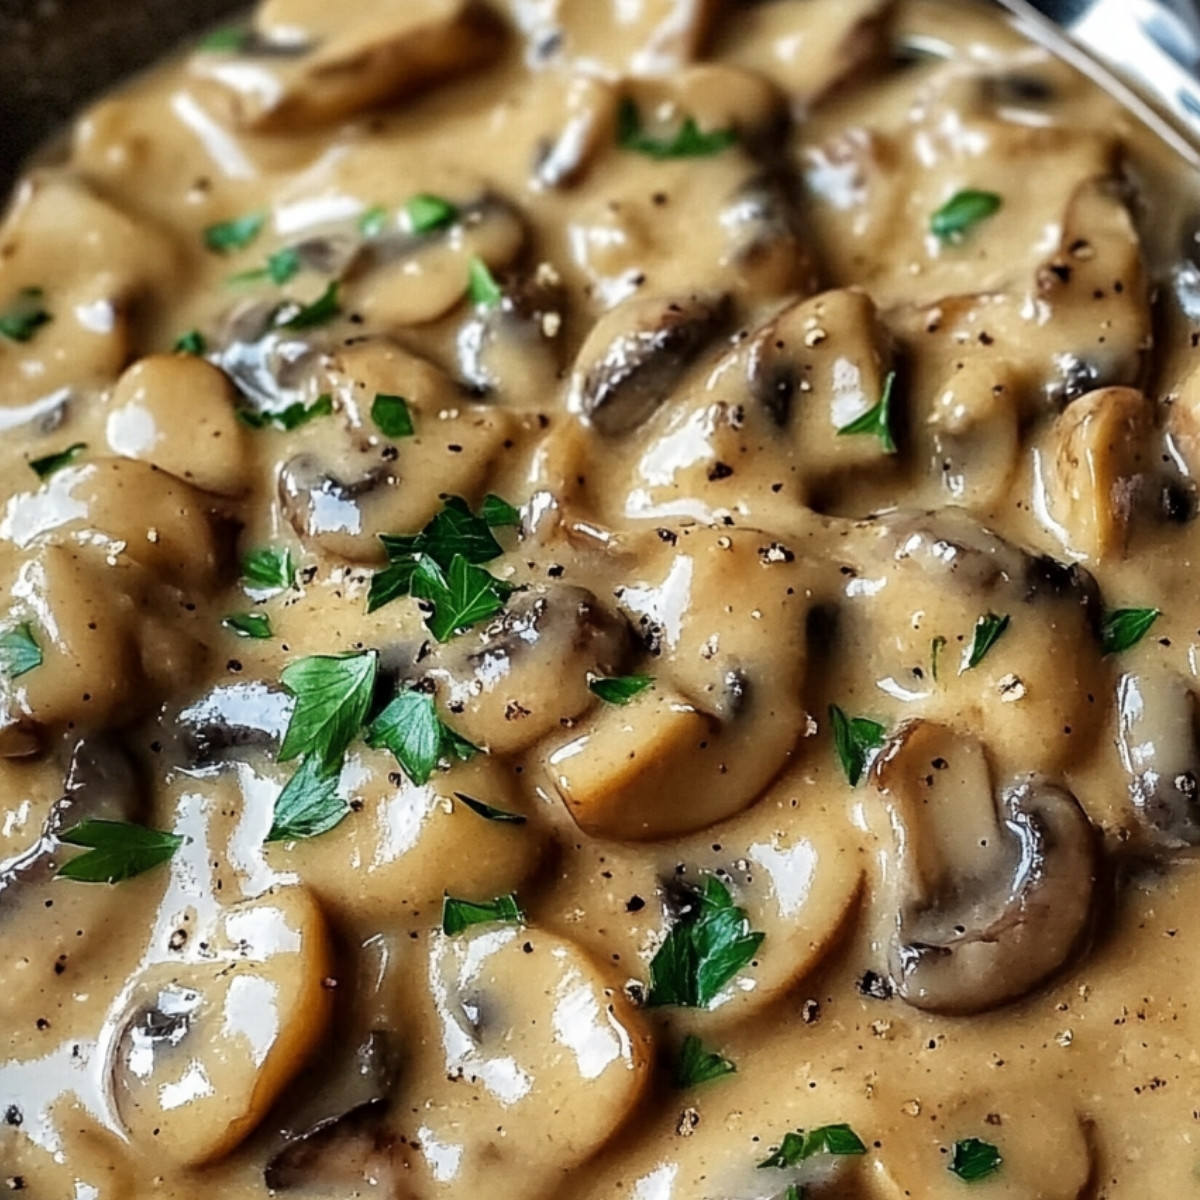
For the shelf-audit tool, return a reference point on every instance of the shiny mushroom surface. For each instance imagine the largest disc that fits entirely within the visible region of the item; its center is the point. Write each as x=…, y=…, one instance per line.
x=598, y=602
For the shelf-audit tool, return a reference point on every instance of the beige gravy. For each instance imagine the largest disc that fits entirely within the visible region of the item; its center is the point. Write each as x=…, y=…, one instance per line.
x=758, y=761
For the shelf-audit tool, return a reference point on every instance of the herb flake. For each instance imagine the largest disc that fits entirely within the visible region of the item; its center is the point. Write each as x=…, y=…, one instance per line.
x=989, y=629
x=620, y=689
x=392, y=416
x=325, y=308
x=499, y=513
x=878, y=420
x=333, y=695
x=255, y=625
x=373, y=222
x=269, y=569
x=428, y=214
x=1123, y=628
x=459, y=597
x=798, y=1146
x=25, y=316
x=696, y=1065
x=488, y=813
x=19, y=652
x=688, y=142
x=193, y=342
x=962, y=212
x=709, y=944
x=974, y=1159
x=226, y=237
x=482, y=288
x=287, y=419
x=418, y=738
x=459, y=915
x=51, y=464
x=116, y=851
x=854, y=738
x=309, y=804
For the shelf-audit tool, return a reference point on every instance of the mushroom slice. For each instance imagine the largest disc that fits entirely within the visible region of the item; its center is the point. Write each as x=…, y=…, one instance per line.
x=1099, y=469
x=233, y=718
x=761, y=224
x=589, y=128
x=204, y=1048
x=635, y=356
x=994, y=890
x=1156, y=739
x=537, y=1061
x=313, y=64
x=517, y=679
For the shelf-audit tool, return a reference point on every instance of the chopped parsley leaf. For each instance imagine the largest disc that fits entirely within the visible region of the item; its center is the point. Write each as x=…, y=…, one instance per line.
x=287, y=419
x=989, y=629
x=192, y=342
x=392, y=416
x=116, y=851
x=709, y=944
x=482, y=287
x=974, y=1160
x=412, y=730
x=428, y=214
x=799, y=1146
x=225, y=41
x=269, y=569
x=256, y=625
x=321, y=311
x=854, y=738
x=25, y=317
x=43, y=468
x=333, y=696
x=696, y=1065
x=19, y=652
x=937, y=646
x=230, y=236
x=1123, y=628
x=620, y=689
x=878, y=420
x=373, y=222
x=962, y=212
x=459, y=597
x=688, y=142
x=282, y=267
x=459, y=915
x=499, y=513
x=488, y=813
x=309, y=804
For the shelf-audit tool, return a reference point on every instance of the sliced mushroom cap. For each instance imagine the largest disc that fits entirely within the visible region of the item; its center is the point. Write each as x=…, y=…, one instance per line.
x=313, y=64
x=204, y=1048
x=588, y=130
x=636, y=355
x=1099, y=470
x=994, y=890
x=762, y=228
x=537, y=1061
x=234, y=717
x=510, y=684
x=1157, y=742
x=272, y=368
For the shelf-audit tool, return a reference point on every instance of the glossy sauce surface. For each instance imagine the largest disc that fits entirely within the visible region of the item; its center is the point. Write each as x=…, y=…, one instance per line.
x=857, y=516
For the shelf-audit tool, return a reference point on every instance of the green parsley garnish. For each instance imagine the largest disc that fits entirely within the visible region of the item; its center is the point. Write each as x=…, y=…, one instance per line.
x=428, y=214
x=974, y=1160
x=499, y=513
x=696, y=1065
x=325, y=308
x=878, y=420
x=269, y=569
x=373, y=222
x=192, y=342
x=488, y=813
x=853, y=739
x=709, y=944
x=458, y=915
x=227, y=41
x=412, y=730
x=799, y=1146
x=255, y=625
x=936, y=647
x=282, y=267
x=482, y=287
x=620, y=689
x=19, y=652
x=688, y=142
x=333, y=696
x=43, y=468
x=455, y=531
x=1123, y=628
x=116, y=851
x=287, y=419
x=963, y=212
x=309, y=804
x=459, y=597
x=229, y=236
x=392, y=417
x=25, y=317
x=989, y=629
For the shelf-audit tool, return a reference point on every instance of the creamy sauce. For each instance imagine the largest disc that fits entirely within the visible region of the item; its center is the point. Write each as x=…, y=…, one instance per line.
x=977, y=904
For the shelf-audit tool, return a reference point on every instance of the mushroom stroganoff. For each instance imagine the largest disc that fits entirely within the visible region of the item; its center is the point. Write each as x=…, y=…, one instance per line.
x=597, y=601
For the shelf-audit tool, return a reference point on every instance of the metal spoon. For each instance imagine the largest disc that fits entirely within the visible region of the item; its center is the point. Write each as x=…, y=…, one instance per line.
x=1145, y=52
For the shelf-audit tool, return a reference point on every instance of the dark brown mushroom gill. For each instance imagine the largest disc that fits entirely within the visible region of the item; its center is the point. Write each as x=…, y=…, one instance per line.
x=993, y=889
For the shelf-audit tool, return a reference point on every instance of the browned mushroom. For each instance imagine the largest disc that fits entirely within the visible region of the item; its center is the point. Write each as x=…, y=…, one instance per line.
x=993, y=889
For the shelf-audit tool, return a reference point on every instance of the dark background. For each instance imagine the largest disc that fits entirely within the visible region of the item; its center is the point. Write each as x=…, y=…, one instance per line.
x=56, y=54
